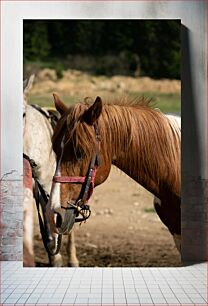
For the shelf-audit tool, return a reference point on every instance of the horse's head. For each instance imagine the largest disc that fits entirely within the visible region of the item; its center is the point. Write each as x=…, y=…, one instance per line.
x=78, y=145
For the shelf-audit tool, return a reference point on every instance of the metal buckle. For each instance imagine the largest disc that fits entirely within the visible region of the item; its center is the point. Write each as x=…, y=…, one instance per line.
x=81, y=209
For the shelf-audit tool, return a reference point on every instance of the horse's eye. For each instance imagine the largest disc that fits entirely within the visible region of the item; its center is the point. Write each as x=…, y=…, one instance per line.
x=79, y=154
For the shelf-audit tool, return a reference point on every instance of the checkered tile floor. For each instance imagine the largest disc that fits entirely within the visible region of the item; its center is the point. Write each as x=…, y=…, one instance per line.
x=103, y=286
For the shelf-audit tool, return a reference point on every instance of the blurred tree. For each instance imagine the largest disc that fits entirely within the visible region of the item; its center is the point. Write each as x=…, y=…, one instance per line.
x=36, y=44
x=154, y=44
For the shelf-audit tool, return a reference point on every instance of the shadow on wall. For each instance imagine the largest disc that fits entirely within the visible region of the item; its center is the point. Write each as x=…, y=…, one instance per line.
x=193, y=206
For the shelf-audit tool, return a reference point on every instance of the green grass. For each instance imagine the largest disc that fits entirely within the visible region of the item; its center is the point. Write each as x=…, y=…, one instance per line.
x=47, y=100
x=167, y=103
x=149, y=210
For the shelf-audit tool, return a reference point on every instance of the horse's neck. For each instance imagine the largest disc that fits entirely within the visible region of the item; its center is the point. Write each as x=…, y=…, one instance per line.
x=141, y=153
x=38, y=146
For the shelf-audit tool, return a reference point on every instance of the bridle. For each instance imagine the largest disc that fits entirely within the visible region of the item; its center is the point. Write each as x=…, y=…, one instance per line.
x=80, y=206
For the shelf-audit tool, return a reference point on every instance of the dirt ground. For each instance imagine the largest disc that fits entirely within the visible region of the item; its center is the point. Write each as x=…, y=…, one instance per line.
x=123, y=229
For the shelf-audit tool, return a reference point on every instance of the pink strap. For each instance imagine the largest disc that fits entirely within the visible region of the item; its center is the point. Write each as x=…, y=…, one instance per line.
x=77, y=179
x=69, y=179
x=27, y=174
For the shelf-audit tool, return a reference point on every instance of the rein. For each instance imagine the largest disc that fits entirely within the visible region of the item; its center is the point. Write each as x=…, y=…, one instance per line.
x=41, y=198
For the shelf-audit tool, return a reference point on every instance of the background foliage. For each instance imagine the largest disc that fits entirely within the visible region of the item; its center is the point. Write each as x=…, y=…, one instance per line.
x=128, y=47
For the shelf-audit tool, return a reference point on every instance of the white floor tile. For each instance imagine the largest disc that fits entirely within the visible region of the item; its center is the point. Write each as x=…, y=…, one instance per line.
x=68, y=300
x=81, y=301
x=132, y=300
x=107, y=300
x=94, y=301
x=187, y=285
x=32, y=300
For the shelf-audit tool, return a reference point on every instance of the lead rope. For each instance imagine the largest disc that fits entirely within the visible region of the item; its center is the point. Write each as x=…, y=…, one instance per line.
x=46, y=237
x=42, y=198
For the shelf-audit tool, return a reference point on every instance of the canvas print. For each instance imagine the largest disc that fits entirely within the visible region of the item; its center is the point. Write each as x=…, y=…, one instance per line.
x=102, y=143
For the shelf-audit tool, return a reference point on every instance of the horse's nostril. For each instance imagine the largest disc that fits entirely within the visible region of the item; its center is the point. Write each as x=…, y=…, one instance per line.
x=58, y=220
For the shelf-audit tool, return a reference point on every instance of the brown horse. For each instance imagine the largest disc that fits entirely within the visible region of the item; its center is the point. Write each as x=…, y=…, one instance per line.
x=136, y=138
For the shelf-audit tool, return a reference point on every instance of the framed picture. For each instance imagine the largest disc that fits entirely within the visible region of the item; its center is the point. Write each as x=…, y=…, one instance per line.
x=90, y=50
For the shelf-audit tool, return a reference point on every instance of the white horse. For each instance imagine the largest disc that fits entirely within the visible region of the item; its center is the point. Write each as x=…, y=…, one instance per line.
x=38, y=146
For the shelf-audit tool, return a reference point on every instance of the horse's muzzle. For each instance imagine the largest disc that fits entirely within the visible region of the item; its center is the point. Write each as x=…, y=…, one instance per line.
x=64, y=220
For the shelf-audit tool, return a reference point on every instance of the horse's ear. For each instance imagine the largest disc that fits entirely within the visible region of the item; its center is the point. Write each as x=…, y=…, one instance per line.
x=27, y=84
x=60, y=106
x=93, y=112
x=24, y=84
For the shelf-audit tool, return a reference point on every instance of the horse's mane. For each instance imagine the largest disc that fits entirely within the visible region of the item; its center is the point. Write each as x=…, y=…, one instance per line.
x=71, y=119
x=149, y=141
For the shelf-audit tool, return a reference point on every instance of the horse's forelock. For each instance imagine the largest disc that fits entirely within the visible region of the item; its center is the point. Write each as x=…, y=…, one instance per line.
x=79, y=131
x=75, y=130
